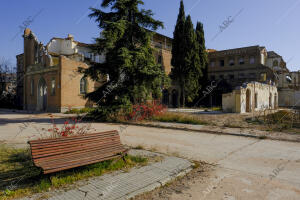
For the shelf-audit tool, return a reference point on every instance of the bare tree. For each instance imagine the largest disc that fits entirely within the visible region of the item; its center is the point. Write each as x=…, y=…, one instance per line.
x=7, y=83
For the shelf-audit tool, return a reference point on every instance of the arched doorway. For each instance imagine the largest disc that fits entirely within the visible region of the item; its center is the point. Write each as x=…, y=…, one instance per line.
x=248, y=100
x=174, y=98
x=42, y=95
x=165, y=97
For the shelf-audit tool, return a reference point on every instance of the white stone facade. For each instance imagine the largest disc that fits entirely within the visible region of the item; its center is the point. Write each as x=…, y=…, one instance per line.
x=251, y=97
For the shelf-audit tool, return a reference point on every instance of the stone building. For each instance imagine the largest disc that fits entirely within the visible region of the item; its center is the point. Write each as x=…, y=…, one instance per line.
x=48, y=78
x=234, y=67
x=251, y=97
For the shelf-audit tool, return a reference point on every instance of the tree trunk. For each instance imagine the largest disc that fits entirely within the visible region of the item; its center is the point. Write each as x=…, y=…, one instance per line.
x=182, y=94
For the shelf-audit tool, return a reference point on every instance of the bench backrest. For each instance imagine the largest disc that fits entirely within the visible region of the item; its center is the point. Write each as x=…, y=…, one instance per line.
x=68, y=152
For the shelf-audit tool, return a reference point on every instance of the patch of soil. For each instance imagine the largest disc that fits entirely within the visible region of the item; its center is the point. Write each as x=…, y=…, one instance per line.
x=200, y=172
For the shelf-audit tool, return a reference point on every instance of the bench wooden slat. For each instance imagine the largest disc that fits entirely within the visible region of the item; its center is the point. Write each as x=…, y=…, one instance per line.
x=76, y=154
x=69, y=161
x=79, y=165
x=70, y=143
x=72, y=137
x=50, y=151
x=54, y=155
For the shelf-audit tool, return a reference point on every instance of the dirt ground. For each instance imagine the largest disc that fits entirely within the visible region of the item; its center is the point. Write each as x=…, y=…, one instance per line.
x=199, y=174
x=235, y=120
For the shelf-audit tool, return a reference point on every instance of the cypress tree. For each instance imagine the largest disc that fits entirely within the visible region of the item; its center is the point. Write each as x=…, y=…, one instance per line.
x=178, y=48
x=192, y=63
x=134, y=75
x=202, y=53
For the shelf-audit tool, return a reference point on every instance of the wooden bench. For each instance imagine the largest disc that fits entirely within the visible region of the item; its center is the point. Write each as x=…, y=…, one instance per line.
x=53, y=155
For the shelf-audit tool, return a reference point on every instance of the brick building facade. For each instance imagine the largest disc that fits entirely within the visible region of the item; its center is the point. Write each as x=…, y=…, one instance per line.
x=48, y=77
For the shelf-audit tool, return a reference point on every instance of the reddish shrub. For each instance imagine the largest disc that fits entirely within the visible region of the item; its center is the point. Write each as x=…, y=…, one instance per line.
x=145, y=111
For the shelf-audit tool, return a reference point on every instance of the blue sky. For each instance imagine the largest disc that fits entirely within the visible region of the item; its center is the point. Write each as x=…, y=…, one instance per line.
x=274, y=24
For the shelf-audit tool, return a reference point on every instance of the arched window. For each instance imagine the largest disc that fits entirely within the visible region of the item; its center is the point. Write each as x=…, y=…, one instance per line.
x=275, y=63
x=83, y=85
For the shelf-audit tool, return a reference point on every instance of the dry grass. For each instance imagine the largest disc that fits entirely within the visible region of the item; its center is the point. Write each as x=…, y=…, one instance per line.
x=179, y=118
x=283, y=120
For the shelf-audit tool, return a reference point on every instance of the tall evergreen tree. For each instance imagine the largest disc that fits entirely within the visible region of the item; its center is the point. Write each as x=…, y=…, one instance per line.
x=186, y=70
x=202, y=53
x=178, y=48
x=134, y=75
x=192, y=63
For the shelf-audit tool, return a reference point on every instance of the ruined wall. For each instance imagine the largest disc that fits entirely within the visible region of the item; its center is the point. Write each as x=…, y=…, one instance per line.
x=289, y=98
x=229, y=102
x=61, y=46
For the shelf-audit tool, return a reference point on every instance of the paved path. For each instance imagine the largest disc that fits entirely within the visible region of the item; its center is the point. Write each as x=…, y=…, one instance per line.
x=247, y=168
x=125, y=185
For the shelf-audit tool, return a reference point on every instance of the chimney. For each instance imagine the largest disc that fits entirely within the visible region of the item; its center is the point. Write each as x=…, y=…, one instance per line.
x=27, y=32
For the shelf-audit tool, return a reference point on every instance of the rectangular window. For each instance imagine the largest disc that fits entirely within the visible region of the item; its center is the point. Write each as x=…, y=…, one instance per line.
x=212, y=63
x=32, y=87
x=231, y=62
x=53, y=86
x=231, y=76
x=252, y=60
x=241, y=61
x=222, y=63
